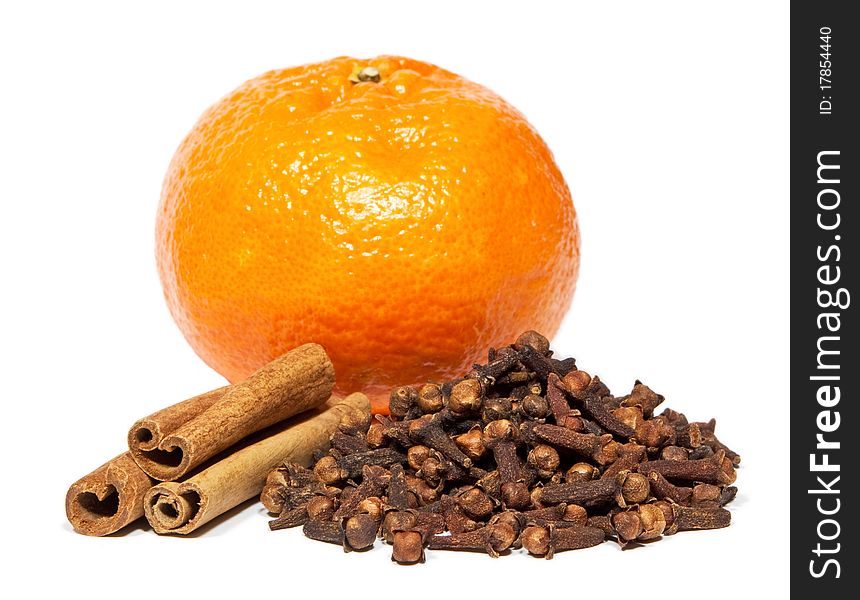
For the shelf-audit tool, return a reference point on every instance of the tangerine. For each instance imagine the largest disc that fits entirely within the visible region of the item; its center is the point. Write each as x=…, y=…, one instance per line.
x=401, y=215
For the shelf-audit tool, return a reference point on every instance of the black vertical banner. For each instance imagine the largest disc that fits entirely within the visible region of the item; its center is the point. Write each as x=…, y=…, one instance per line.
x=825, y=430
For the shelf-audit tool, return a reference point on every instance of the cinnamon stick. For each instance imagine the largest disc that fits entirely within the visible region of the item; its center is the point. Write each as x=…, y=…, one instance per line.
x=171, y=442
x=109, y=498
x=183, y=507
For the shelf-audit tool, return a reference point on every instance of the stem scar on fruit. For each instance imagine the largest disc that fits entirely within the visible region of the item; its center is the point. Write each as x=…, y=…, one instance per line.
x=366, y=74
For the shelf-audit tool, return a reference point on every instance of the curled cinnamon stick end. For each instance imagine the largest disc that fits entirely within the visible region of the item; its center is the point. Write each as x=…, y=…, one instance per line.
x=170, y=443
x=109, y=498
x=182, y=507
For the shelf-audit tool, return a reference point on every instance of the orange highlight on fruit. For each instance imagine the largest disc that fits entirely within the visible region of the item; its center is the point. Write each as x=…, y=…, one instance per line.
x=400, y=215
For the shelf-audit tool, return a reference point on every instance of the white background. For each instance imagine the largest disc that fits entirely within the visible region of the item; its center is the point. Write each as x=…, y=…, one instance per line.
x=670, y=123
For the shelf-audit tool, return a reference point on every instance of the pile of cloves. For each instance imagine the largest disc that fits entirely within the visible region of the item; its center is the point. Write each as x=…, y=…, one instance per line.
x=526, y=451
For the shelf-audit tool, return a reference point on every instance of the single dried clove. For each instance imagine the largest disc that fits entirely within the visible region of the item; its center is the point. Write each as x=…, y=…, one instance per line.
x=401, y=400
x=359, y=532
x=419, y=489
x=290, y=518
x=512, y=518
x=354, y=421
x=374, y=481
x=428, y=430
x=629, y=415
x=664, y=490
x=398, y=490
x=416, y=455
x=687, y=518
x=576, y=383
x=584, y=493
x=640, y=523
x=718, y=469
x=688, y=436
x=601, y=412
x=629, y=457
x=331, y=470
x=556, y=399
x=492, y=539
x=499, y=437
x=655, y=433
x=373, y=506
x=603, y=449
x=397, y=520
x=576, y=514
x=324, y=531
x=546, y=541
x=634, y=488
x=643, y=398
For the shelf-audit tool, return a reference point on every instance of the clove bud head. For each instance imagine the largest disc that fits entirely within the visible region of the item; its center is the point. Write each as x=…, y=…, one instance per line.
x=535, y=407
x=536, y=540
x=533, y=339
x=581, y=471
x=471, y=444
x=408, y=548
x=653, y=521
x=516, y=495
x=328, y=471
x=499, y=430
x=401, y=400
x=627, y=526
x=320, y=508
x=545, y=459
x=576, y=382
x=466, y=397
x=501, y=537
x=476, y=504
x=430, y=399
x=416, y=455
x=634, y=488
x=359, y=532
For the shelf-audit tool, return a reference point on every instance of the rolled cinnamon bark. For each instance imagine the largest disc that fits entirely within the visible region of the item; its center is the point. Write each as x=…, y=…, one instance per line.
x=109, y=498
x=171, y=442
x=184, y=506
